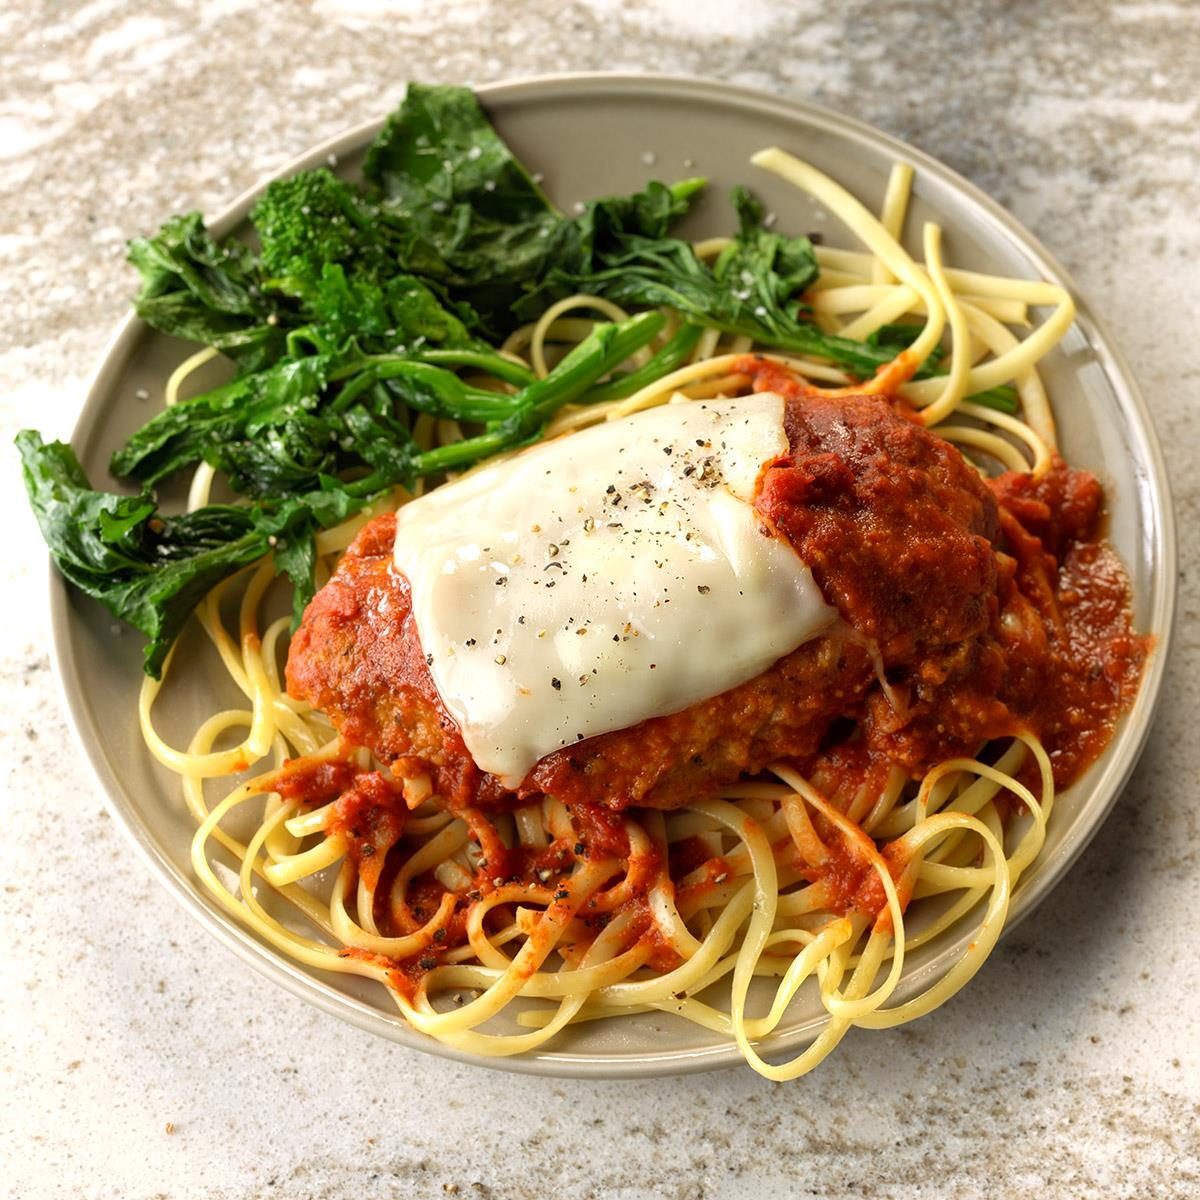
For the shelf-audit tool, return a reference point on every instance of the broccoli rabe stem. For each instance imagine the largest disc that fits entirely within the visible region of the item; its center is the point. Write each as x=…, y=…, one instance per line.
x=603, y=349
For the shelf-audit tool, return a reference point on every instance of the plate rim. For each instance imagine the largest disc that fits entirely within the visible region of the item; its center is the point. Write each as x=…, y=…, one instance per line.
x=1160, y=617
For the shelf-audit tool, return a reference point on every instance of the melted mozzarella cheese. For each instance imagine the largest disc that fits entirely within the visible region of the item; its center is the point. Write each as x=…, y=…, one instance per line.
x=604, y=578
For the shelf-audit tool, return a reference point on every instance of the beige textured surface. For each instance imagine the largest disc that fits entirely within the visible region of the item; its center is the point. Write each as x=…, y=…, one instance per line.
x=141, y=1059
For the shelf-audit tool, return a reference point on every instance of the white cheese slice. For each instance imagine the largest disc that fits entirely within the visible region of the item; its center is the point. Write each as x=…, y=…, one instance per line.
x=603, y=578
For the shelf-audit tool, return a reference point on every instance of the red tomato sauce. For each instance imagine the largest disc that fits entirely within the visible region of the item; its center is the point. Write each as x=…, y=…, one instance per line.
x=996, y=610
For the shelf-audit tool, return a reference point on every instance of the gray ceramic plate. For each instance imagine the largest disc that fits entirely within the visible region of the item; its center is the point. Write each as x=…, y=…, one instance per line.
x=594, y=135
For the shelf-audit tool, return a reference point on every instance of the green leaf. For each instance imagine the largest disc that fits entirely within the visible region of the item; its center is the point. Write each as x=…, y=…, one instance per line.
x=150, y=569
x=439, y=148
x=267, y=417
x=146, y=570
x=194, y=289
x=462, y=211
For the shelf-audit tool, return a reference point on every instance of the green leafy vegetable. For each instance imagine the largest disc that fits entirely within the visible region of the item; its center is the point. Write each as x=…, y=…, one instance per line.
x=752, y=289
x=451, y=212
x=147, y=569
x=286, y=429
x=355, y=308
x=466, y=213
x=195, y=289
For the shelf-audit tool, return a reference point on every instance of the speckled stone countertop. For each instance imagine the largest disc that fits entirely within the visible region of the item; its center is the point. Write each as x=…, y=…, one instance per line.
x=142, y=1059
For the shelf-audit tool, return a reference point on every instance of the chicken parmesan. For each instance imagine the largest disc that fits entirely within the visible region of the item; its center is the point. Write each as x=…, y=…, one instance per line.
x=931, y=641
